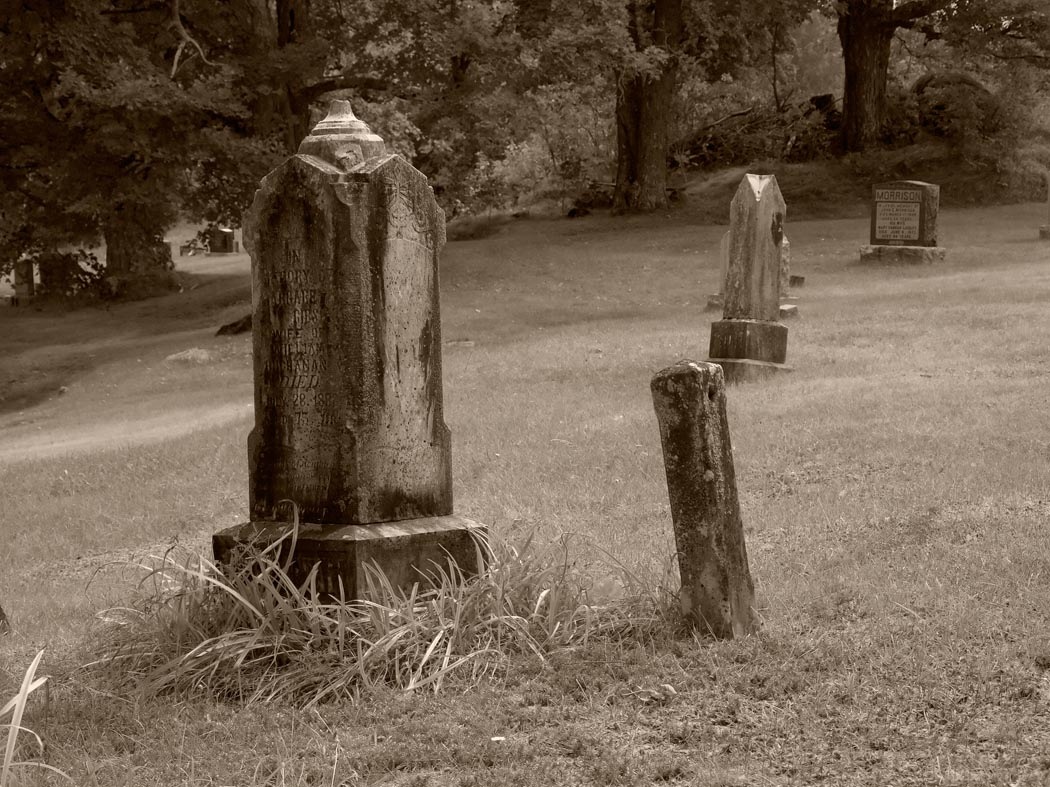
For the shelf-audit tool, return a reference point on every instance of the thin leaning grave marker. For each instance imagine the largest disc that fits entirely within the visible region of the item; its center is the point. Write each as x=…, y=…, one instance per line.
x=717, y=592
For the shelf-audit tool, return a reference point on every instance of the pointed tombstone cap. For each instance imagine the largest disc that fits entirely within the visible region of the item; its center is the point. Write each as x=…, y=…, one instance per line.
x=342, y=138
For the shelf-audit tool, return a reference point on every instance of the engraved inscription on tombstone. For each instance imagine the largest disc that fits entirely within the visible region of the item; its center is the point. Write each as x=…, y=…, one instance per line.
x=904, y=213
x=904, y=223
x=898, y=216
x=349, y=419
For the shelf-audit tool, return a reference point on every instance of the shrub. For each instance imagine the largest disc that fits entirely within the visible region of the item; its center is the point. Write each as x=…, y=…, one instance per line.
x=69, y=273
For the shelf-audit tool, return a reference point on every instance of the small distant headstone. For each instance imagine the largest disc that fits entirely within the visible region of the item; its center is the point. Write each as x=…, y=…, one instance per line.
x=349, y=423
x=222, y=240
x=714, y=300
x=24, y=283
x=717, y=592
x=749, y=342
x=788, y=311
x=904, y=223
x=795, y=281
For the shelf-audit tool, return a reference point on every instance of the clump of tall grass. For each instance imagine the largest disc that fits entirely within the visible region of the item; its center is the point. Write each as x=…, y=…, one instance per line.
x=249, y=633
x=16, y=708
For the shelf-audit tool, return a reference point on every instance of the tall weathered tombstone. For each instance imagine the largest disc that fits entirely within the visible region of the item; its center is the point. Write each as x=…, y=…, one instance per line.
x=349, y=425
x=749, y=342
x=904, y=224
x=1044, y=229
x=717, y=592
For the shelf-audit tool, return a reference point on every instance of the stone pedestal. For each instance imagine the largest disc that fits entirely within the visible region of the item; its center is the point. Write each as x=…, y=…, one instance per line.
x=408, y=551
x=902, y=255
x=759, y=340
x=749, y=350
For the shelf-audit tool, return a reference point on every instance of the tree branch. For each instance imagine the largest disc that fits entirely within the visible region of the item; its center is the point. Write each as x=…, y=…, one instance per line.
x=185, y=38
x=903, y=15
x=142, y=9
x=307, y=95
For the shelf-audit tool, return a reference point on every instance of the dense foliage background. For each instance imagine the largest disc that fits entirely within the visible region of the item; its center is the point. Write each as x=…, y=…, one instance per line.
x=120, y=117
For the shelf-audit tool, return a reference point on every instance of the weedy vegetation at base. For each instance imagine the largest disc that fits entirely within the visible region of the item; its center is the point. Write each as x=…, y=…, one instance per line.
x=247, y=633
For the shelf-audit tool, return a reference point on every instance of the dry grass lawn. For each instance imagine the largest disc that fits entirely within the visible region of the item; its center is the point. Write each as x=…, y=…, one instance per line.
x=895, y=489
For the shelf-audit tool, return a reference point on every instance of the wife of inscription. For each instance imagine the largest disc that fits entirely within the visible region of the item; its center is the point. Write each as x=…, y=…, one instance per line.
x=407, y=214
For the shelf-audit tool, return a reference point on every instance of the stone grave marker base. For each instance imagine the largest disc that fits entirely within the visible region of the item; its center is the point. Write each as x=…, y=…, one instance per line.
x=744, y=370
x=759, y=340
x=1044, y=232
x=406, y=550
x=902, y=255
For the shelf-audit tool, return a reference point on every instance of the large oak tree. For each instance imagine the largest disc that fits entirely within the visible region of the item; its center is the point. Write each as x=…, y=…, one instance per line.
x=866, y=29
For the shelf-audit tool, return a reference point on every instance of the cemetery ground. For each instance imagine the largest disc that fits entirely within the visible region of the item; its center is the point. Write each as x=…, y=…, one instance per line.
x=894, y=490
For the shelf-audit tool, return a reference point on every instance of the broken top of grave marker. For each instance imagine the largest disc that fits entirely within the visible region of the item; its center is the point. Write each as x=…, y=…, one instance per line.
x=752, y=280
x=717, y=593
x=347, y=336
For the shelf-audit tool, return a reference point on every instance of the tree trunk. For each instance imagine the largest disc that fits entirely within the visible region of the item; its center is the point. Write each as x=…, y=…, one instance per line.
x=644, y=110
x=628, y=113
x=865, y=32
x=293, y=25
x=138, y=261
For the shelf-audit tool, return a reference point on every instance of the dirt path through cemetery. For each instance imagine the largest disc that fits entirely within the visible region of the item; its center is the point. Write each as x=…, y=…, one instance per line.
x=119, y=432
